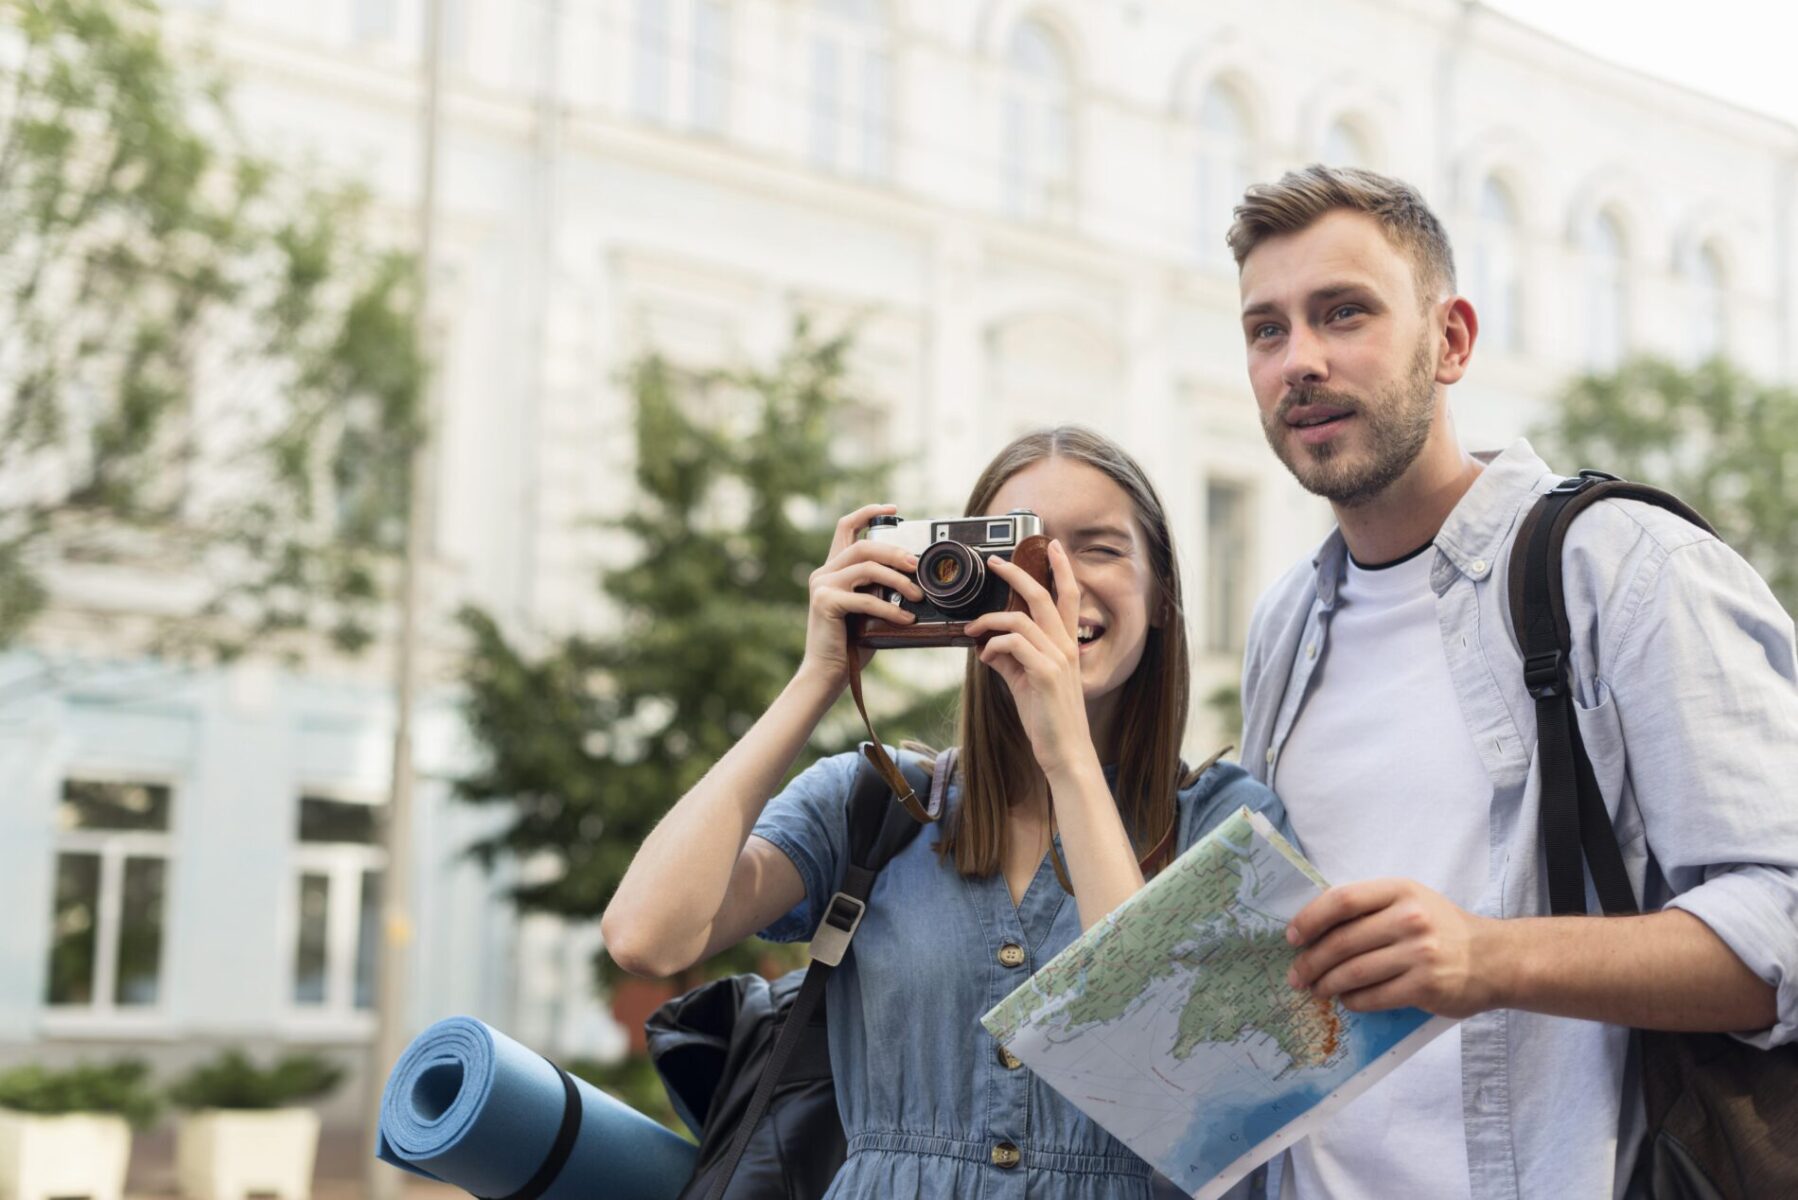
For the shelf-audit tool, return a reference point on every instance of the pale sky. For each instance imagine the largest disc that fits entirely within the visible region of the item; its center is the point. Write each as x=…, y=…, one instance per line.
x=1743, y=51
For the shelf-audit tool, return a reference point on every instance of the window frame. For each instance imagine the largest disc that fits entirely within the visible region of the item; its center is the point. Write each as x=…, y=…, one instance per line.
x=1036, y=113
x=103, y=1016
x=343, y=865
x=850, y=136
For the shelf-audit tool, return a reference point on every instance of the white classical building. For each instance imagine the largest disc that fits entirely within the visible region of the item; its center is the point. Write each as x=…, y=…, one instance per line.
x=1021, y=205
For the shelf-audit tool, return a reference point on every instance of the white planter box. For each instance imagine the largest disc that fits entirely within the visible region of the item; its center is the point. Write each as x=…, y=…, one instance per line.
x=80, y=1154
x=227, y=1154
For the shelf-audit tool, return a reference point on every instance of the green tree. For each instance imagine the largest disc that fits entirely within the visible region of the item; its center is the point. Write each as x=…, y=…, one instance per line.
x=591, y=741
x=1722, y=442
x=206, y=370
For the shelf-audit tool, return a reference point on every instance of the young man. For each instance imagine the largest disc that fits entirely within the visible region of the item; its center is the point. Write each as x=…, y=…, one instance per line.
x=1384, y=701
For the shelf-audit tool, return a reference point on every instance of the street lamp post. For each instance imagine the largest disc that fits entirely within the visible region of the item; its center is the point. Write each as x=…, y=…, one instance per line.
x=396, y=920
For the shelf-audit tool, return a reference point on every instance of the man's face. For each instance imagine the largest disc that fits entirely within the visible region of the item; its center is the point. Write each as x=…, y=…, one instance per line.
x=1342, y=355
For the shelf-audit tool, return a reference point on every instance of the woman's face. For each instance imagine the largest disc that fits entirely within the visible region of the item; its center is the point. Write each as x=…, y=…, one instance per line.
x=1096, y=524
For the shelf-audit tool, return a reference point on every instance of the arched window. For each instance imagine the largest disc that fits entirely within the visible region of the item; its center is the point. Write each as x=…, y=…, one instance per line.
x=1039, y=99
x=651, y=45
x=681, y=49
x=710, y=65
x=1710, y=307
x=1494, y=281
x=1225, y=168
x=1345, y=145
x=851, y=85
x=1606, y=291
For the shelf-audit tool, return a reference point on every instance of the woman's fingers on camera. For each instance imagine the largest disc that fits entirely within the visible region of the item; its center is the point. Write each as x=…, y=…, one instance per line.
x=1024, y=653
x=1048, y=612
x=870, y=605
x=866, y=572
x=1014, y=625
x=897, y=557
x=850, y=527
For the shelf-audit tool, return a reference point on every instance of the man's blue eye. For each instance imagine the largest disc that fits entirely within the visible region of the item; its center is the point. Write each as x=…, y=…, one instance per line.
x=1351, y=309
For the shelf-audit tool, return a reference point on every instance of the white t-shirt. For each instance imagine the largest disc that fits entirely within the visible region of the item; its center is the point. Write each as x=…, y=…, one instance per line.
x=1380, y=778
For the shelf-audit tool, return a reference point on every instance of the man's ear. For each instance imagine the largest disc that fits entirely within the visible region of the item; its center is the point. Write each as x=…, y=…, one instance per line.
x=1459, y=328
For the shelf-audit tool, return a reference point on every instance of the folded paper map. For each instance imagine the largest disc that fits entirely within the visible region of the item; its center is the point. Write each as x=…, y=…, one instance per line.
x=1171, y=1022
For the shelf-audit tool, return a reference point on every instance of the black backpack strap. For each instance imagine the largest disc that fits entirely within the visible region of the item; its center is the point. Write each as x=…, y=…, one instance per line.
x=1575, y=823
x=879, y=827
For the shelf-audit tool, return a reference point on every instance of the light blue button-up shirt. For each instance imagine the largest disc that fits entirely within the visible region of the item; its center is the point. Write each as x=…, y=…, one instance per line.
x=1686, y=689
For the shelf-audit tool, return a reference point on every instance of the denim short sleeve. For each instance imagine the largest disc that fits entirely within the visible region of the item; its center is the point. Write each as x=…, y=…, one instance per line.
x=1219, y=792
x=809, y=823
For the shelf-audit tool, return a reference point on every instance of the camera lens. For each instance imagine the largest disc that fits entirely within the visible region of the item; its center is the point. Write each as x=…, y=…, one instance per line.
x=951, y=575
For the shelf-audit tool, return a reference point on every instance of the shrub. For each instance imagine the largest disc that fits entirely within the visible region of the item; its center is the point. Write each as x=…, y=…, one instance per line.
x=232, y=1081
x=119, y=1088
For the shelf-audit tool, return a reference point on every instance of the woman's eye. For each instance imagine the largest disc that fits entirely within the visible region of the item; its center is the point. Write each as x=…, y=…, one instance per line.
x=1110, y=551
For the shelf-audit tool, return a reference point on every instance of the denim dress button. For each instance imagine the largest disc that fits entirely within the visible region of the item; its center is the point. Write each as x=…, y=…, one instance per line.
x=1008, y=1060
x=1007, y=1155
x=1011, y=955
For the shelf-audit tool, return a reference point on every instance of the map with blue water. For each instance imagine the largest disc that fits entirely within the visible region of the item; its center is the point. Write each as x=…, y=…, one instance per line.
x=1171, y=1023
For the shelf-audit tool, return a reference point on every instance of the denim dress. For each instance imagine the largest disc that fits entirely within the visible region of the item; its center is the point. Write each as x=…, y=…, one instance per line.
x=929, y=1104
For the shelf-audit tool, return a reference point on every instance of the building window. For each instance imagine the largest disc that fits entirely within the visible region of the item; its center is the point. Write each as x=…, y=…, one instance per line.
x=710, y=65
x=1346, y=146
x=1226, y=566
x=1038, y=152
x=1606, y=291
x=339, y=861
x=1226, y=168
x=112, y=855
x=851, y=80
x=1495, y=280
x=1710, y=306
x=682, y=48
x=374, y=20
x=653, y=47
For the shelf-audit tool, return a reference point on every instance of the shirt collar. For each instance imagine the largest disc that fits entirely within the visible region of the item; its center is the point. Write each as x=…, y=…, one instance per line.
x=1472, y=537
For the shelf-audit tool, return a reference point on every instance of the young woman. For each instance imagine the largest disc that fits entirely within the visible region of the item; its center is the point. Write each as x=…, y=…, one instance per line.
x=1071, y=719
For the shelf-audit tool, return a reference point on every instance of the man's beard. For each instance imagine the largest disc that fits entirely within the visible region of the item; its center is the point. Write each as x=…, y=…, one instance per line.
x=1397, y=427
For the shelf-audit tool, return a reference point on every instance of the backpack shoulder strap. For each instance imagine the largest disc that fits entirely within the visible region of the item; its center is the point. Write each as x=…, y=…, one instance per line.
x=1573, y=817
x=879, y=827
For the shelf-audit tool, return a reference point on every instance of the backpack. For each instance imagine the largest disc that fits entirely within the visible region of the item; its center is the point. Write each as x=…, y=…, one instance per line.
x=745, y=1061
x=1722, y=1115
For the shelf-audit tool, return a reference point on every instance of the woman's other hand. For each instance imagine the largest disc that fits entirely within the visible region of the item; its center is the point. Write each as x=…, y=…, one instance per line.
x=1037, y=653
x=854, y=562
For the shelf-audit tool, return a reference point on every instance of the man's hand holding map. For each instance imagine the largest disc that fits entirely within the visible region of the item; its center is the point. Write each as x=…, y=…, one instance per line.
x=1171, y=1022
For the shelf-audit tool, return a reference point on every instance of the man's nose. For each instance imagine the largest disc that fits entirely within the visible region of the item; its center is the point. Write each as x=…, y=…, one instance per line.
x=1305, y=362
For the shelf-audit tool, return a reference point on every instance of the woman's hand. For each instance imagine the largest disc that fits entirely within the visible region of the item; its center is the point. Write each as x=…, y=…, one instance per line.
x=1037, y=653
x=854, y=562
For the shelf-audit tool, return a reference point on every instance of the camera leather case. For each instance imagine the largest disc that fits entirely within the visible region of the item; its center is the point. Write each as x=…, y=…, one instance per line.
x=1031, y=556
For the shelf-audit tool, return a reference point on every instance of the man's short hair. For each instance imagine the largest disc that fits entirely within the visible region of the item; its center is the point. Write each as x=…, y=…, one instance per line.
x=1302, y=196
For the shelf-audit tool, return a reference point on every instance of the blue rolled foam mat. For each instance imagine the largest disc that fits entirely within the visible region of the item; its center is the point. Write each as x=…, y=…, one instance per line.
x=468, y=1106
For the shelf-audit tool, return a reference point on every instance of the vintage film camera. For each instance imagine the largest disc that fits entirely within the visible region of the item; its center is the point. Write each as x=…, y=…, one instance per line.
x=952, y=571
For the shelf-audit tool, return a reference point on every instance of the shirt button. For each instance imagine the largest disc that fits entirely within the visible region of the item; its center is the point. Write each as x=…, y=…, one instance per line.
x=1479, y=566
x=1006, y=1155
x=1011, y=955
x=1270, y=756
x=1311, y=650
x=1008, y=1060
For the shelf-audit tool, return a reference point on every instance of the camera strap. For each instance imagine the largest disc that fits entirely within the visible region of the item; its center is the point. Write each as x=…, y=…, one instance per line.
x=876, y=754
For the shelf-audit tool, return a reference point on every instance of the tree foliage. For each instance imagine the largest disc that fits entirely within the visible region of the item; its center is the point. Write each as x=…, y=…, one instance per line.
x=1725, y=444
x=591, y=741
x=205, y=366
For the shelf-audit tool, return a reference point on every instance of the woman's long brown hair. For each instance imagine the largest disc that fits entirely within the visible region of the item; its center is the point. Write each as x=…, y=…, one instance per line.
x=996, y=764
